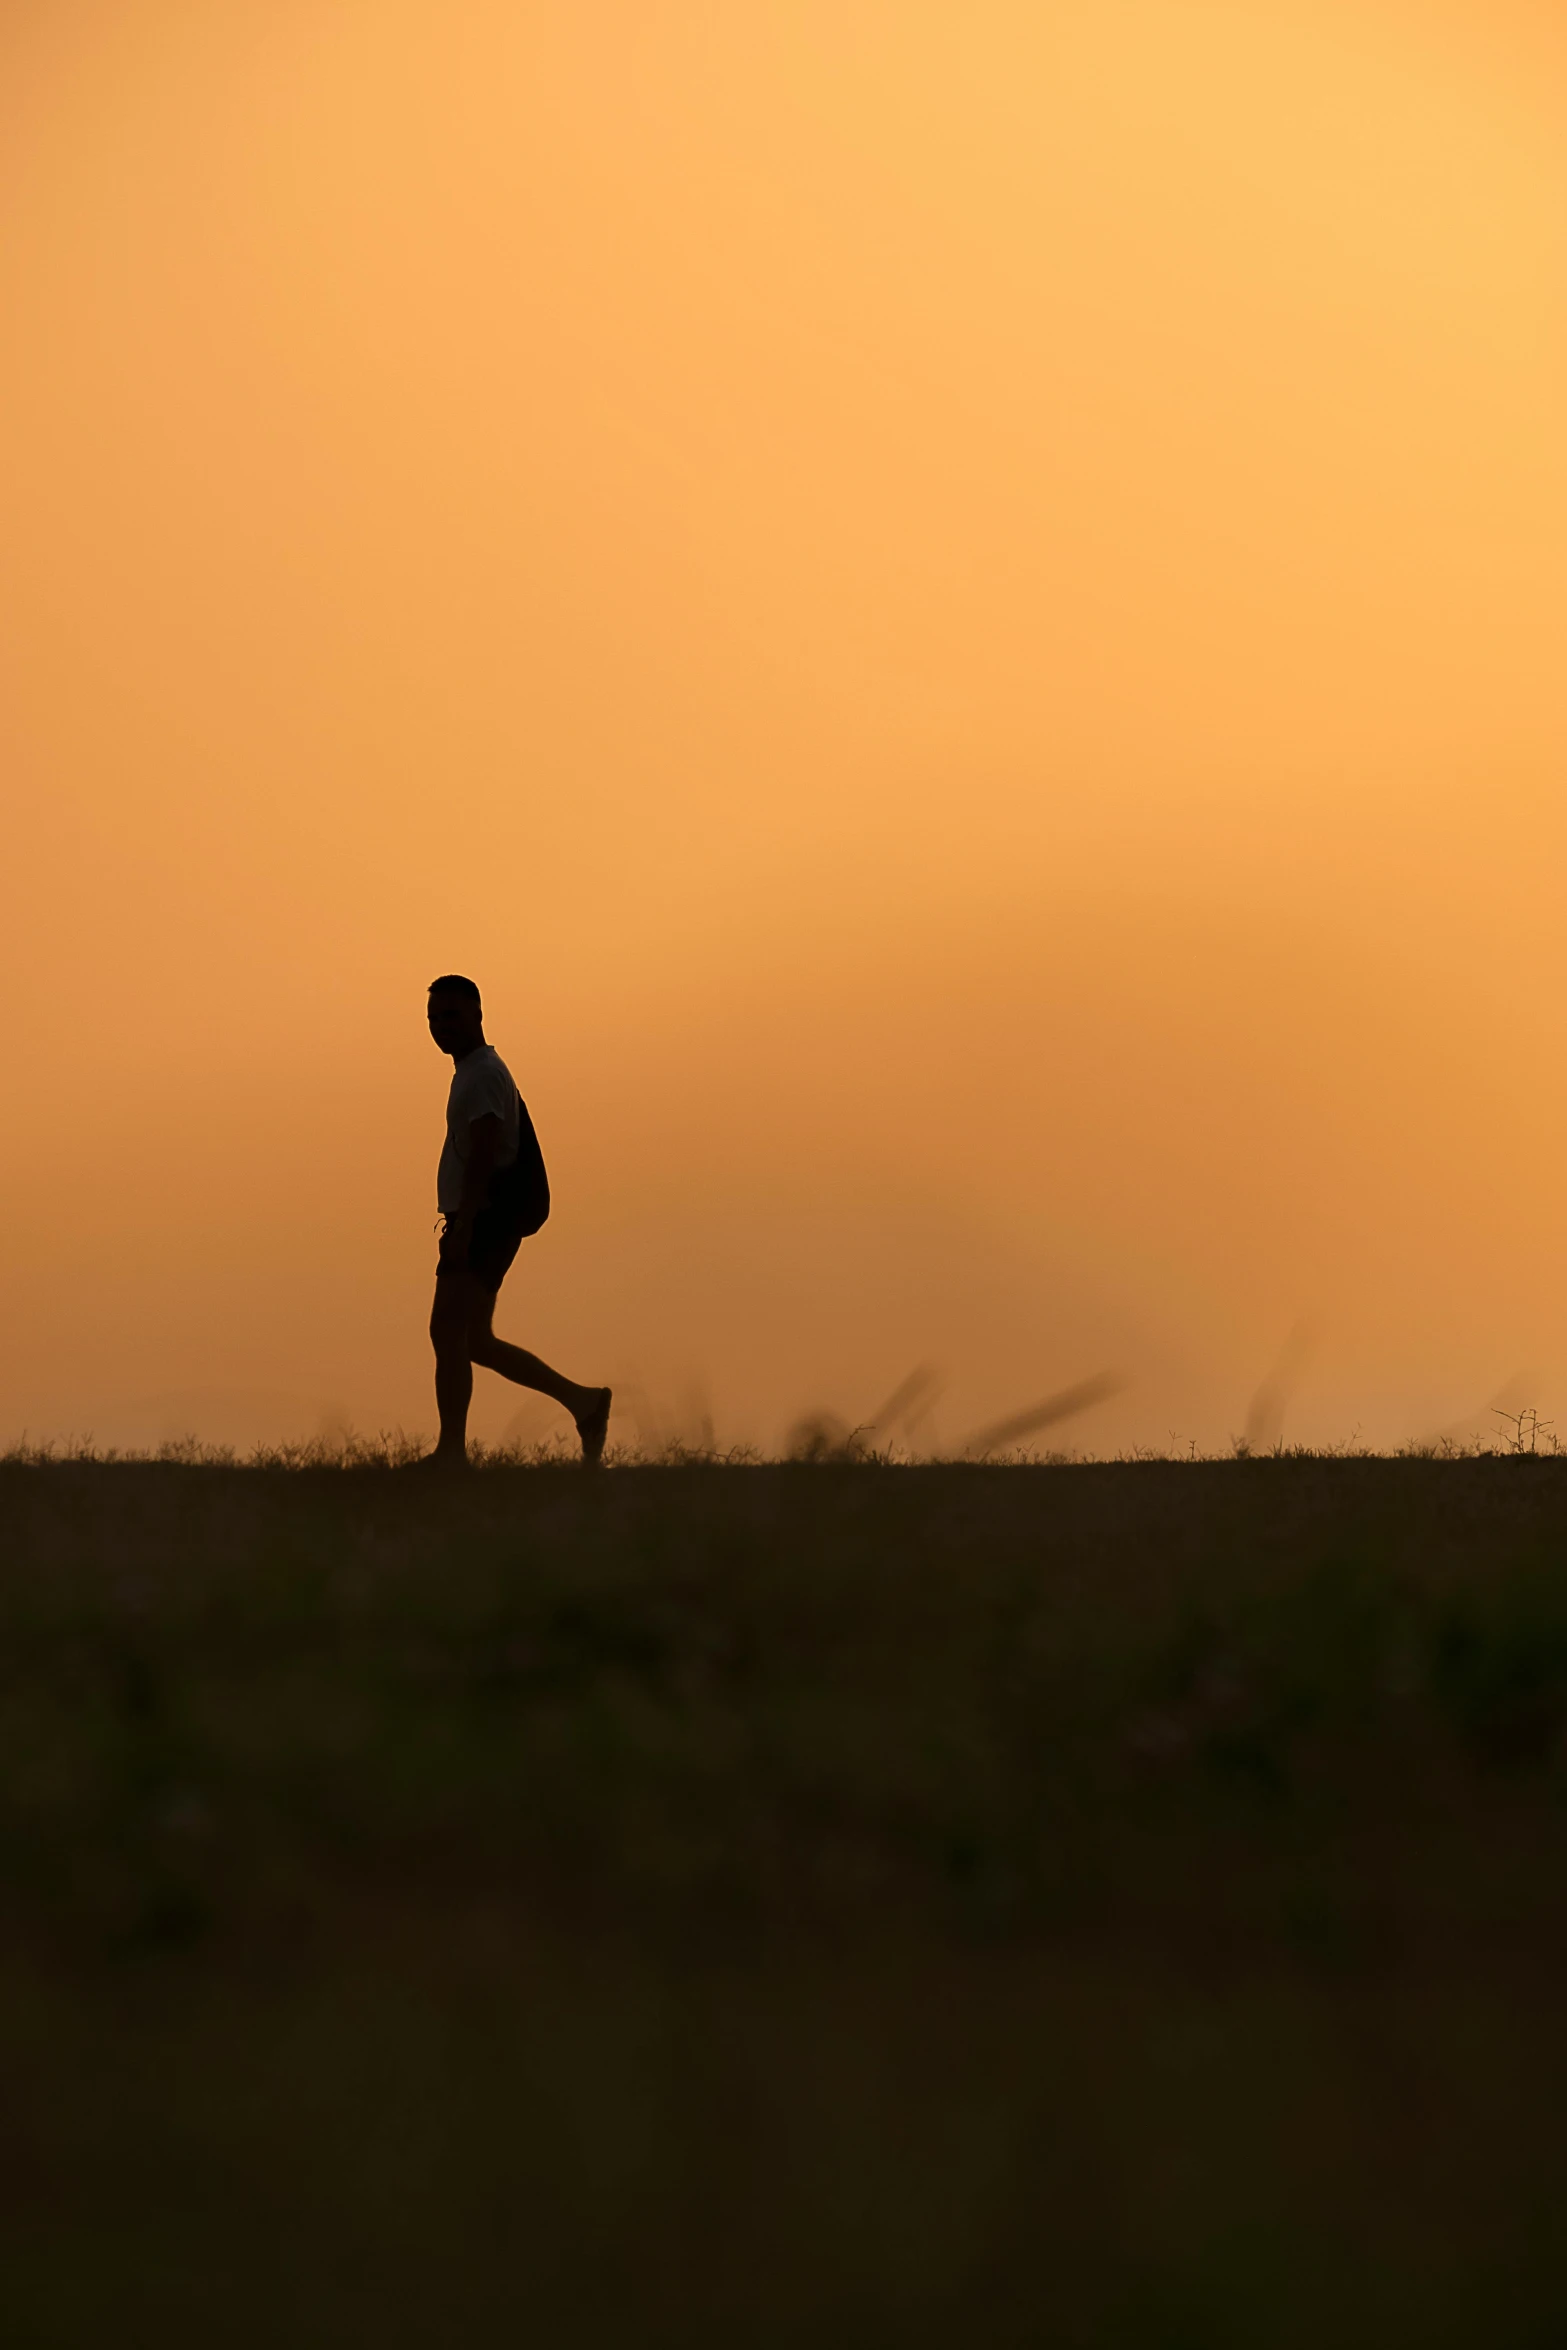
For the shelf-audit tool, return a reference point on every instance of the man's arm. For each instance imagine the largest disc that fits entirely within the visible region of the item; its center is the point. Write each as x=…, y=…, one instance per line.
x=485, y=1137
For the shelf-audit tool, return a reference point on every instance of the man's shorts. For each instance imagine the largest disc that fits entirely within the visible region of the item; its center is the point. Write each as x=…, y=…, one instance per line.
x=492, y=1244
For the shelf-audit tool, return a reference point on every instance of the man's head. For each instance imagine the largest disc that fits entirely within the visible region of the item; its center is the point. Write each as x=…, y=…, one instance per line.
x=456, y=1015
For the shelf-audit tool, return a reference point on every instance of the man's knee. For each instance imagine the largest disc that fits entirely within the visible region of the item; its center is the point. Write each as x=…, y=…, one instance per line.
x=449, y=1320
x=459, y=1322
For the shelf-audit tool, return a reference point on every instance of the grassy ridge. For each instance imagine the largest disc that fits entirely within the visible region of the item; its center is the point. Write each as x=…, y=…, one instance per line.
x=1107, y=1904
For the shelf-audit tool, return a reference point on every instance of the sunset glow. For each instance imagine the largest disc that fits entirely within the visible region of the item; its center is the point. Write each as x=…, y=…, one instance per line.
x=958, y=612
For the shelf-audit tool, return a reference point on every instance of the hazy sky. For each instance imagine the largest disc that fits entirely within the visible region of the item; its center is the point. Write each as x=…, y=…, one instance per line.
x=958, y=611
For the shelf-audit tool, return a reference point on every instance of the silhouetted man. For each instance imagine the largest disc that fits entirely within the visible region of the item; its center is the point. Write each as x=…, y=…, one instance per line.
x=492, y=1192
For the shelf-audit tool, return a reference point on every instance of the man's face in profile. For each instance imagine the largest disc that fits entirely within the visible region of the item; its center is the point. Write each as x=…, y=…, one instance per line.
x=456, y=1022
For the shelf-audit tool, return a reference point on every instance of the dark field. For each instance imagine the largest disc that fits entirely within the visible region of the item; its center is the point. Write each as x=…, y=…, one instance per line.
x=1112, y=1905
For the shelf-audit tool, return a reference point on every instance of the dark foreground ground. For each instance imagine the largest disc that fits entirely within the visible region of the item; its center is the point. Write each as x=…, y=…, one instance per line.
x=785, y=1906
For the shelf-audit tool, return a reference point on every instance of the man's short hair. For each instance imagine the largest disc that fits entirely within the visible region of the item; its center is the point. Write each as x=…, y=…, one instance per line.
x=454, y=984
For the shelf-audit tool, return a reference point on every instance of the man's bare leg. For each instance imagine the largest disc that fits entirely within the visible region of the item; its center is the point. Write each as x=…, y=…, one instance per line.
x=588, y=1406
x=449, y=1326
x=461, y=1334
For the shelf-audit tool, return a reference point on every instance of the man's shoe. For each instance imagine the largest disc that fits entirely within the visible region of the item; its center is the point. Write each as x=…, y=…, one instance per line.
x=593, y=1427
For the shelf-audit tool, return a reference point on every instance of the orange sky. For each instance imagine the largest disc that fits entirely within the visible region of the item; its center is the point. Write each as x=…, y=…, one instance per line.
x=957, y=610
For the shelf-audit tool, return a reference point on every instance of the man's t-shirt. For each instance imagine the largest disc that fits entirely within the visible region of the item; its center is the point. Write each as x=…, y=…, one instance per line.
x=481, y=1086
